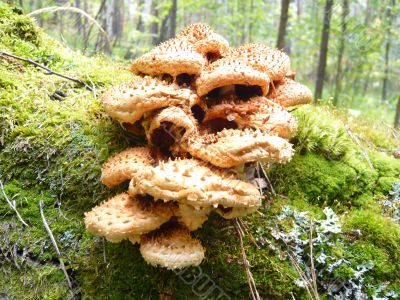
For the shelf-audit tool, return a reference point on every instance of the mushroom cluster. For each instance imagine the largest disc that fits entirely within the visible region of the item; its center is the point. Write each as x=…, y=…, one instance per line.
x=207, y=110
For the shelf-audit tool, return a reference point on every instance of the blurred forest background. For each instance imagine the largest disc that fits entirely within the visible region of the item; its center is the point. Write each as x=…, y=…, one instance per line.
x=346, y=51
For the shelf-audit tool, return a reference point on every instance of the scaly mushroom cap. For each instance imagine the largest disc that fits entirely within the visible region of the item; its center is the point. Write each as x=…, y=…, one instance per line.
x=230, y=71
x=192, y=217
x=128, y=102
x=173, y=57
x=125, y=217
x=193, y=182
x=121, y=166
x=232, y=147
x=272, y=61
x=257, y=113
x=169, y=126
x=172, y=248
x=290, y=93
x=205, y=40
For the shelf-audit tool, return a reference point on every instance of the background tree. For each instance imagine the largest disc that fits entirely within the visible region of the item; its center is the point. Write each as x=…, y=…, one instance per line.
x=283, y=24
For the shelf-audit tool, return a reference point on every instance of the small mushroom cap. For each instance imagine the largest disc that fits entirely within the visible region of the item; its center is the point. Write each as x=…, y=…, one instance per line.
x=171, y=248
x=125, y=217
x=288, y=93
x=257, y=113
x=204, y=39
x=231, y=71
x=130, y=101
x=192, y=217
x=173, y=122
x=193, y=182
x=274, y=62
x=173, y=57
x=232, y=147
x=121, y=166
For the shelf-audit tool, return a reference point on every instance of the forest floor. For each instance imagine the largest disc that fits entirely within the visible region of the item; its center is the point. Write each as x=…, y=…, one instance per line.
x=340, y=186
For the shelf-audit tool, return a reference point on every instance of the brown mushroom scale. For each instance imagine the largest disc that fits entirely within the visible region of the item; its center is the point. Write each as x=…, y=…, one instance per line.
x=207, y=111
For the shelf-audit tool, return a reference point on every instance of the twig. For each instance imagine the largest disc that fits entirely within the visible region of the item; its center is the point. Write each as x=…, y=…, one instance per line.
x=49, y=71
x=267, y=178
x=13, y=207
x=246, y=264
x=363, y=151
x=53, y=241
x=313, y=275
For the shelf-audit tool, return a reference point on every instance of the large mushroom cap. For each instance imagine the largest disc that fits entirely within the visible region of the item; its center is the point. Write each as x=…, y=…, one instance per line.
x=205, y=40
x=173, y=57
x=172, y=248
x=121, y=166
x=169, y=126
x=272, y=61
x=193, y=182
x=128, y=102
x=229, y=71
x=288, y=92
x=232, y=147
x=257, y=113
x=125, y=217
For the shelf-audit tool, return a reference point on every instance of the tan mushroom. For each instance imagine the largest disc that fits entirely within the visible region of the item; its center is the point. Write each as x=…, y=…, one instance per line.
x=193, y=182
x=125, y=217
x=272, y=61
x=288, y=93
x=168, y=126
x=173, y=57
x=192, y=217
x=210, y=44
x=257, y=113
x=171, y=247
x=130, y=101
x=232, y=147
x=228, y=75
x=121, y=166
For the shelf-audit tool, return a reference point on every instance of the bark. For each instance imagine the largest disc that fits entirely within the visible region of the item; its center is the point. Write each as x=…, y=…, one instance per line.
x=385, y=83
x=323, y=54
x=397, y=117
x=283, y=24
x=339, y=68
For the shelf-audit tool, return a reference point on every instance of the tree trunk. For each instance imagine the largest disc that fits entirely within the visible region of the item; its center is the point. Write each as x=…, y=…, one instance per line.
x=154, y=23
x=339, y=69
x=118, y=20
x=283, y=24
x=173, y=18
x=323, y=54
x=389, y=16
x=397, y=117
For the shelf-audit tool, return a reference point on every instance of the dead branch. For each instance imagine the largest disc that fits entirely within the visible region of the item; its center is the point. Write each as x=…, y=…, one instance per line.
x=53, y=241
x=313, y=274
x=49, y=71
x=13, y=207
x=246, y=265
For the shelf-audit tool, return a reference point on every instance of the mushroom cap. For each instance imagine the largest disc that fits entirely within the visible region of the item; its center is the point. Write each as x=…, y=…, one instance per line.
x=274, y=62
x=130, y=101
x=193, y=182
x=124, y=217
x=231, y=71
x=171, y=248
x=204, y=39
x=171, y=123
x=173, y=57
x=290, y=93
x=257, y=113
x=232, y=147
x=192, y=217
x=121, y=166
